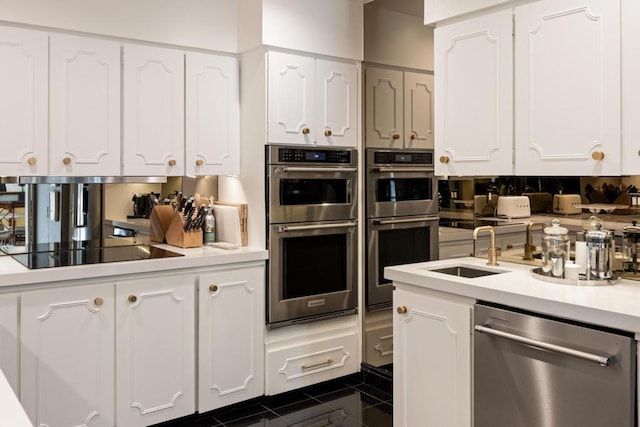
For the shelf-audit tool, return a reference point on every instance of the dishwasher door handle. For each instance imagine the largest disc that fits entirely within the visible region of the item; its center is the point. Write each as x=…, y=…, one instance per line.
x=601, y=360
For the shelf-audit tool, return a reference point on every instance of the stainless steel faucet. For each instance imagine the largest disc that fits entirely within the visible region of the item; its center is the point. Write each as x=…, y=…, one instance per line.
x=528, y=246
x=492, y=256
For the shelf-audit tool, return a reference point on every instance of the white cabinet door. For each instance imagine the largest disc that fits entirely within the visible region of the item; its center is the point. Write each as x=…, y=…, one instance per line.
x=23, y=103
x=212, y=115
x=153, y=111
x=384, y=121
x=336, y=94
x=84, y=88
x=9, y=339
x=431, y=361
x=474, y=106
x=630, y=163
x=67, y=356
x=231, y=343
x=290, y=99
x=155, y=350
x=418, y=110
x=568, y=87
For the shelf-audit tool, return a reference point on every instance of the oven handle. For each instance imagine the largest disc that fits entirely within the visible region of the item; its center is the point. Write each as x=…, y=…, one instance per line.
x=404, y=220
x=284, y=169
x=601, y=360
x=285, y=228
x=394, y=169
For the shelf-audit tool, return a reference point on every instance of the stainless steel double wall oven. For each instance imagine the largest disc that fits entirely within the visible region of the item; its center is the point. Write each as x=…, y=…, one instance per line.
x=402, y=221
x=312, y=201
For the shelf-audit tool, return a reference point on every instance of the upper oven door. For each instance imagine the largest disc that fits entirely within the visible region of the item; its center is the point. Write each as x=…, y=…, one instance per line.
x=401, y=191
x=311, y=193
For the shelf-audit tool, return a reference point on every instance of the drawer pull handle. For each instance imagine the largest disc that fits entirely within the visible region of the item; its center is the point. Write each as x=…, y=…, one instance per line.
x=317, y=365
x=402, y=309
x=132, y=298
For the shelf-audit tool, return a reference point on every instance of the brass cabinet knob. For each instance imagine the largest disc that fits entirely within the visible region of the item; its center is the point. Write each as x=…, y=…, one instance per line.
x=213, y=288
x=305, y=131
x=509, y=246
x=327, y=132
x=66, y=160
x=98, y=301
x=32, y=161
x=172, y=162
x=414, y=136
x=444, y=159
x=395, y=136
x=402, y=309
x=132, y=298
x=638, y=152
x=199, y=162
x=597, y=155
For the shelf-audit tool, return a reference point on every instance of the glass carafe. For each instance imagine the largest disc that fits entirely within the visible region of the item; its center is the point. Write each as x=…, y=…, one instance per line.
x=555, y=249
x=631, y=248
x=600, y=253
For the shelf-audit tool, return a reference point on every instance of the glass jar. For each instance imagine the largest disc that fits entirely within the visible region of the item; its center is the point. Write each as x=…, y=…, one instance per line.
x=600, y=253
x=555, y=249
x=630, y=248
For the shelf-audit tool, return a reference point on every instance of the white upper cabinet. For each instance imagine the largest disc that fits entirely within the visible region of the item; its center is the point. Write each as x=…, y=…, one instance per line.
x=398, y=109
x=212, y=115
x=84, y=99
x=630, y=163
x=567, y=68
x=474, y=102
x=23, y=104
x=153, y=143
x=311, y=101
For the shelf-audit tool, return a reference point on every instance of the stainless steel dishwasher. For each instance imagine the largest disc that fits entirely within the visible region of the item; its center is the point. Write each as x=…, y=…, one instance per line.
x=535, y=371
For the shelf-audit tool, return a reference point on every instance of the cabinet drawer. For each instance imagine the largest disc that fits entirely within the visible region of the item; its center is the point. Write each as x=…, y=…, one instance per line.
x=379, y=346
x=311, y=362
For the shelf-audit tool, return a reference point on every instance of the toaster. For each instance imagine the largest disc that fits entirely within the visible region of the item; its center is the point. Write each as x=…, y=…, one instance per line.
x=566, y=204
x=513, y=207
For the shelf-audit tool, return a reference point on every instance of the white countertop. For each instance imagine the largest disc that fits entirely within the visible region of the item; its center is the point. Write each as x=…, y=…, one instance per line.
x=615, y=306
x=12, y=273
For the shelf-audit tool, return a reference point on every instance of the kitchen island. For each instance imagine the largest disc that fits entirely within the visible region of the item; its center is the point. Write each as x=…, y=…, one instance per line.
x=143, y=333
x=433, y=328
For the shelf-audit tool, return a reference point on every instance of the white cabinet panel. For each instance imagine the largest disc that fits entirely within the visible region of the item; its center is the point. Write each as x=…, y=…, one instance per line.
x=630, y=163
x=155, y=350
x=336, y=96
x=290, y=98
x=212, y=115
x=568, y=87
x=474, y=106
x=231, y=337
x=153, y=111
x=384, y=108
x=9, y=339
x=418, y=110
x=431, y=361
x=67, y=356
x=84, y=101
x=23, y=104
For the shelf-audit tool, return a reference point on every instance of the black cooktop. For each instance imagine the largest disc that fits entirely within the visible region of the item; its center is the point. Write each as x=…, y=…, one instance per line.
x=64, y=254
x=470, y=224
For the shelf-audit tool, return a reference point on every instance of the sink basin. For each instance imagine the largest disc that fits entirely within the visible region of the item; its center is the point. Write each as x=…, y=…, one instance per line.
x=466, y=271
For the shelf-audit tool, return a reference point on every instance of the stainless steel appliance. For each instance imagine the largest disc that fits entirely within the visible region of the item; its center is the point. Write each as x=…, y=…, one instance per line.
x=312, y=233
x=533, y=370
x=402, y=221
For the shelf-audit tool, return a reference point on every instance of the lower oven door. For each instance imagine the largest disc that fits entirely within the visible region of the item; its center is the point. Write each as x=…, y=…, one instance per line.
x=395, y=241
x=312, y=271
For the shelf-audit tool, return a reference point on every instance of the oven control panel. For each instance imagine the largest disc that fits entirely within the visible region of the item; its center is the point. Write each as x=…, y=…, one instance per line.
x=300, y=155
x=403, y=158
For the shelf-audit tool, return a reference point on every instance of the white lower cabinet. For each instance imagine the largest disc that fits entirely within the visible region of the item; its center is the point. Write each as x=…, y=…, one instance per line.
x=302, y=355
x=9, y=339
x=155, y=349
x=231, y=336
x=378, y=337
x=432, y=341
x=67, y=358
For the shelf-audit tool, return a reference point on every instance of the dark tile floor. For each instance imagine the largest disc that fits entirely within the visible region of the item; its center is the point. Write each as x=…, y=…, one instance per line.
x=352, y=401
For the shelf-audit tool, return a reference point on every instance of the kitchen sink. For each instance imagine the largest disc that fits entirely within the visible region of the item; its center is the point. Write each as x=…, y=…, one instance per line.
x=466, y=271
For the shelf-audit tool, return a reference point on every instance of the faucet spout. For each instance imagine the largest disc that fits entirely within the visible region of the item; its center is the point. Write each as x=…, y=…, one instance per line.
x=528, y=246
x=492, y=257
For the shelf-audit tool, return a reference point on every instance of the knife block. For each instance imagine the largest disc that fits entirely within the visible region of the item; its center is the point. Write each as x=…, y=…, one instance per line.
x=159, y=222
x=176, y=236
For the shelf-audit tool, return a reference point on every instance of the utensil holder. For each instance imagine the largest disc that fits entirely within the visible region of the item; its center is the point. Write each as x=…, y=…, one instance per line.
x=176, y=236
x=159, y=222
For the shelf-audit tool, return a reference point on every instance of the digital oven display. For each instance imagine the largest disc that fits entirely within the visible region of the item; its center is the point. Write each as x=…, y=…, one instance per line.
x=403, y=158
x=317, y=156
